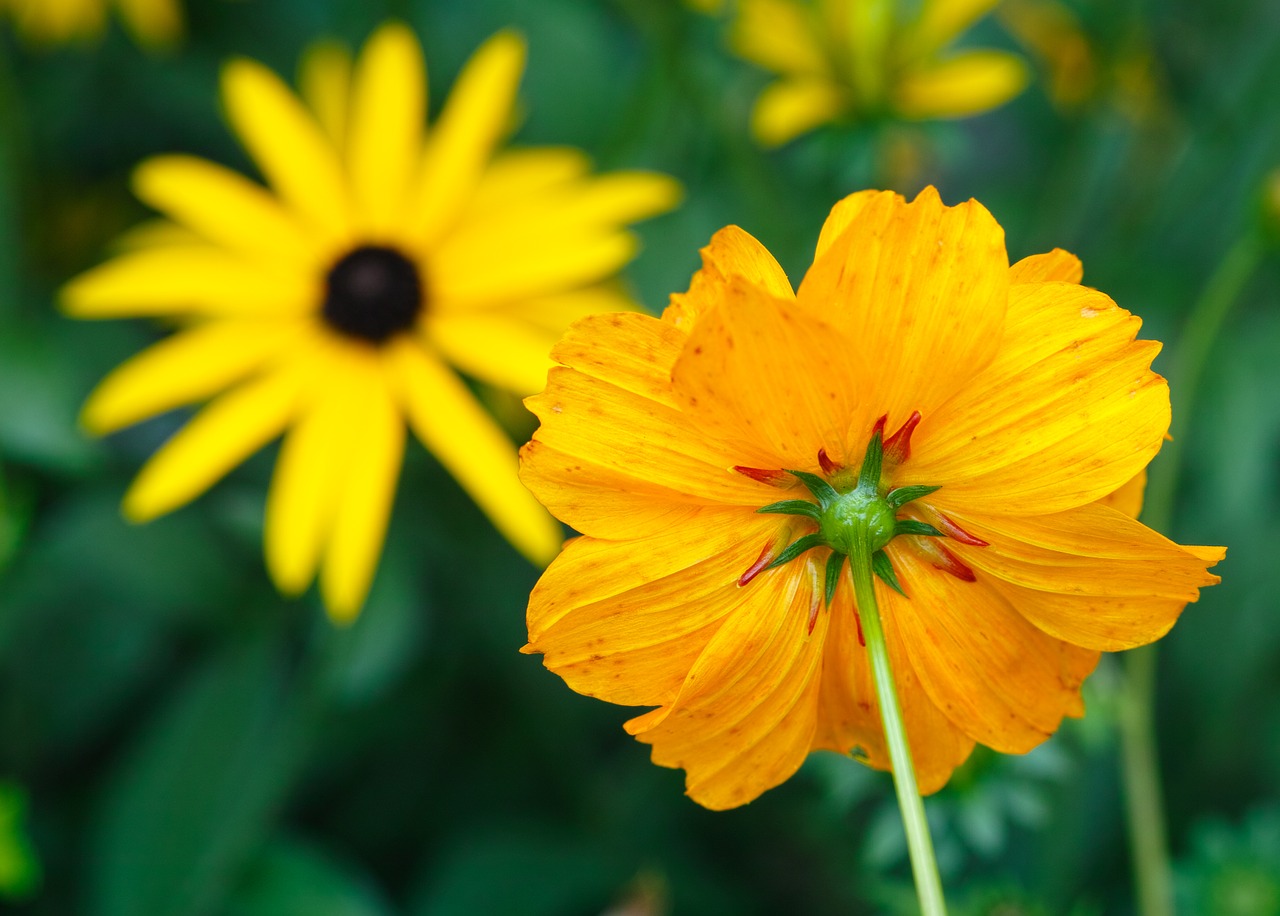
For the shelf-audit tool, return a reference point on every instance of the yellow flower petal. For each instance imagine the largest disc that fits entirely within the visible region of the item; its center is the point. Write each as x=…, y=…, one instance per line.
x=290, y=148
x=520, y=173
x=223, y=207
x=626, y=625
x=1092, y=575
x=186, y=281
x=363, y=506
x=1128, y=499
x=556, y=312
x=942, y=21
x=921, y=292
x=514, y=355
x=388, y=107
x=324, y=80
x=217, y=439
x=1001, y=680
x=1067, y=413
x=474, y=118
x=152, y=22
x=467, y=441
x=745, y=717
x=964, y=84
x=779, y=35
x=732, y=252
x=312, y=467
x=189, y=366
x=788, y=108
x=1053, y=265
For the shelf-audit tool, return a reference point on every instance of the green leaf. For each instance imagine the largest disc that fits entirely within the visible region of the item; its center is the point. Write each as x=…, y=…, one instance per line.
x=909, y=526
x=822, y=491
x=20, y=871
x=835, y=563
x=900, y=496
x=293, y=878
x=799, y=546
x=198, y=793
x=869, y=476
x=883, y=567
x=792, y=507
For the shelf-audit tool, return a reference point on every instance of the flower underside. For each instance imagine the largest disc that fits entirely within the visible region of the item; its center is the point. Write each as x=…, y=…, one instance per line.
x=856, y=514
x=373, y=293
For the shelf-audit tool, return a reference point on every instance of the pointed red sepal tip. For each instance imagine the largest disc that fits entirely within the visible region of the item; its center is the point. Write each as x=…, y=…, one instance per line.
x=778, y=478
x=878, y=429
x=765, y=558
x=814, y=607
x=862, y=640
x=898, y=447
x=956, y=533
x=828, y=466
x=949, y=563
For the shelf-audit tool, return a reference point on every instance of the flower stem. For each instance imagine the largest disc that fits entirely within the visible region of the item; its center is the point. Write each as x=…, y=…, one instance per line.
x=1141, y=772
x=919, y=844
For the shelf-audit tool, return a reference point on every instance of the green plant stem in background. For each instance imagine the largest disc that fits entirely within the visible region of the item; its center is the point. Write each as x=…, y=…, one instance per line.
x=1141, y=772
x=920, y=845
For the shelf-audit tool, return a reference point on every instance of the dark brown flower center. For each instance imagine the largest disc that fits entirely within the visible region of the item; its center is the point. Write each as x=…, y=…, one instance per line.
x=373, y=293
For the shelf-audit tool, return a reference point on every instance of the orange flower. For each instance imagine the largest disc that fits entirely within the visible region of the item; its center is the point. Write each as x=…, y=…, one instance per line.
x=1021, y=403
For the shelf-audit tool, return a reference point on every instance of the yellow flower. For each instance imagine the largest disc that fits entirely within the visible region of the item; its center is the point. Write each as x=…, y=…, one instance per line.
x=1019, y=404
x=335, y=303
x=855, y=59
x=151, y=22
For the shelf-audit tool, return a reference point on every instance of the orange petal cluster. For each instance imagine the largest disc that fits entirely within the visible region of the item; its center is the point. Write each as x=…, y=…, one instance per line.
x=1038, y=415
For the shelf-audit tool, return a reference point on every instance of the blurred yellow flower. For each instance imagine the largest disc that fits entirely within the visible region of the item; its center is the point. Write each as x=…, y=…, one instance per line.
x=857, y=59
x=337, y=302
x=151, y=22
x=708, y=583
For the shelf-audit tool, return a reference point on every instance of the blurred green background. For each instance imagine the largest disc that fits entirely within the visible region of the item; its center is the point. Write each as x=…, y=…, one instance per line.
x=176, y=739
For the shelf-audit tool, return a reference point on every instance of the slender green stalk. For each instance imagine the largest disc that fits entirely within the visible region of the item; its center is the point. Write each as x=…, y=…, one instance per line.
x=919, y=844
x=1140, y=759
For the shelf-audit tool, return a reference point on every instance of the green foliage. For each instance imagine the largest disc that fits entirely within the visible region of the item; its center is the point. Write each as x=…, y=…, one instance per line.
x=178, y=740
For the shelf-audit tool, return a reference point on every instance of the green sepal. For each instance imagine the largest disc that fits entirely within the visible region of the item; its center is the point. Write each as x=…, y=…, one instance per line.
x=900, y=496
x=883, y=568
x=835, y=563
x=798, y=547
x=869, y=476
x=792, y=507
x=822, y=491
x=907, y=526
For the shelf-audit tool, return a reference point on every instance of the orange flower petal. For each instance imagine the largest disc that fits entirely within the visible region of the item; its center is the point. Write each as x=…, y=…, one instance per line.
x=731, y=253
x=1052, y=265
x=1001, y=680
x=745, y=717
x=919, y=290
x=625, y=622
x=1067, y=413
x=1092, y=575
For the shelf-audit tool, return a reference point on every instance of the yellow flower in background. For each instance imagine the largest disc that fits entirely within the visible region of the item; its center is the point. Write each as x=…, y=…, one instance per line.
x=337, y=302
x=150, y=22
x=1010, y=413
x=857, y=59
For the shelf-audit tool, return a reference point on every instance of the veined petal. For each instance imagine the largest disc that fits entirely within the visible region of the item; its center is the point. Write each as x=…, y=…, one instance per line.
x=918, y=287
x=1128, y=499
x=189, y=366
x=154, y=23
x=388, y=107
x=217, y=439
x=790, y=107
x=745, y=717
x=1000, y=679
x=290, y=148
x=314, y=461
x=1091, y=576
x=842, y=214
x=187, y=280
x=779, y=35
x=632, y=351
x=1053, y=265
x=964, y=84
x=474, y=118
x=470, y=445
x=1067, y=413
x=224, y=208
x=363, y=506
x=625, y=621
x=494, y=348
x=942, y=21
x=764, y=371
x=732, y=252
x=324, y=79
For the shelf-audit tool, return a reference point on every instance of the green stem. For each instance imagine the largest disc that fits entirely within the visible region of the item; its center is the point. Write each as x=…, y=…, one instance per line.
x=919, y=844
x=1140, y=759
